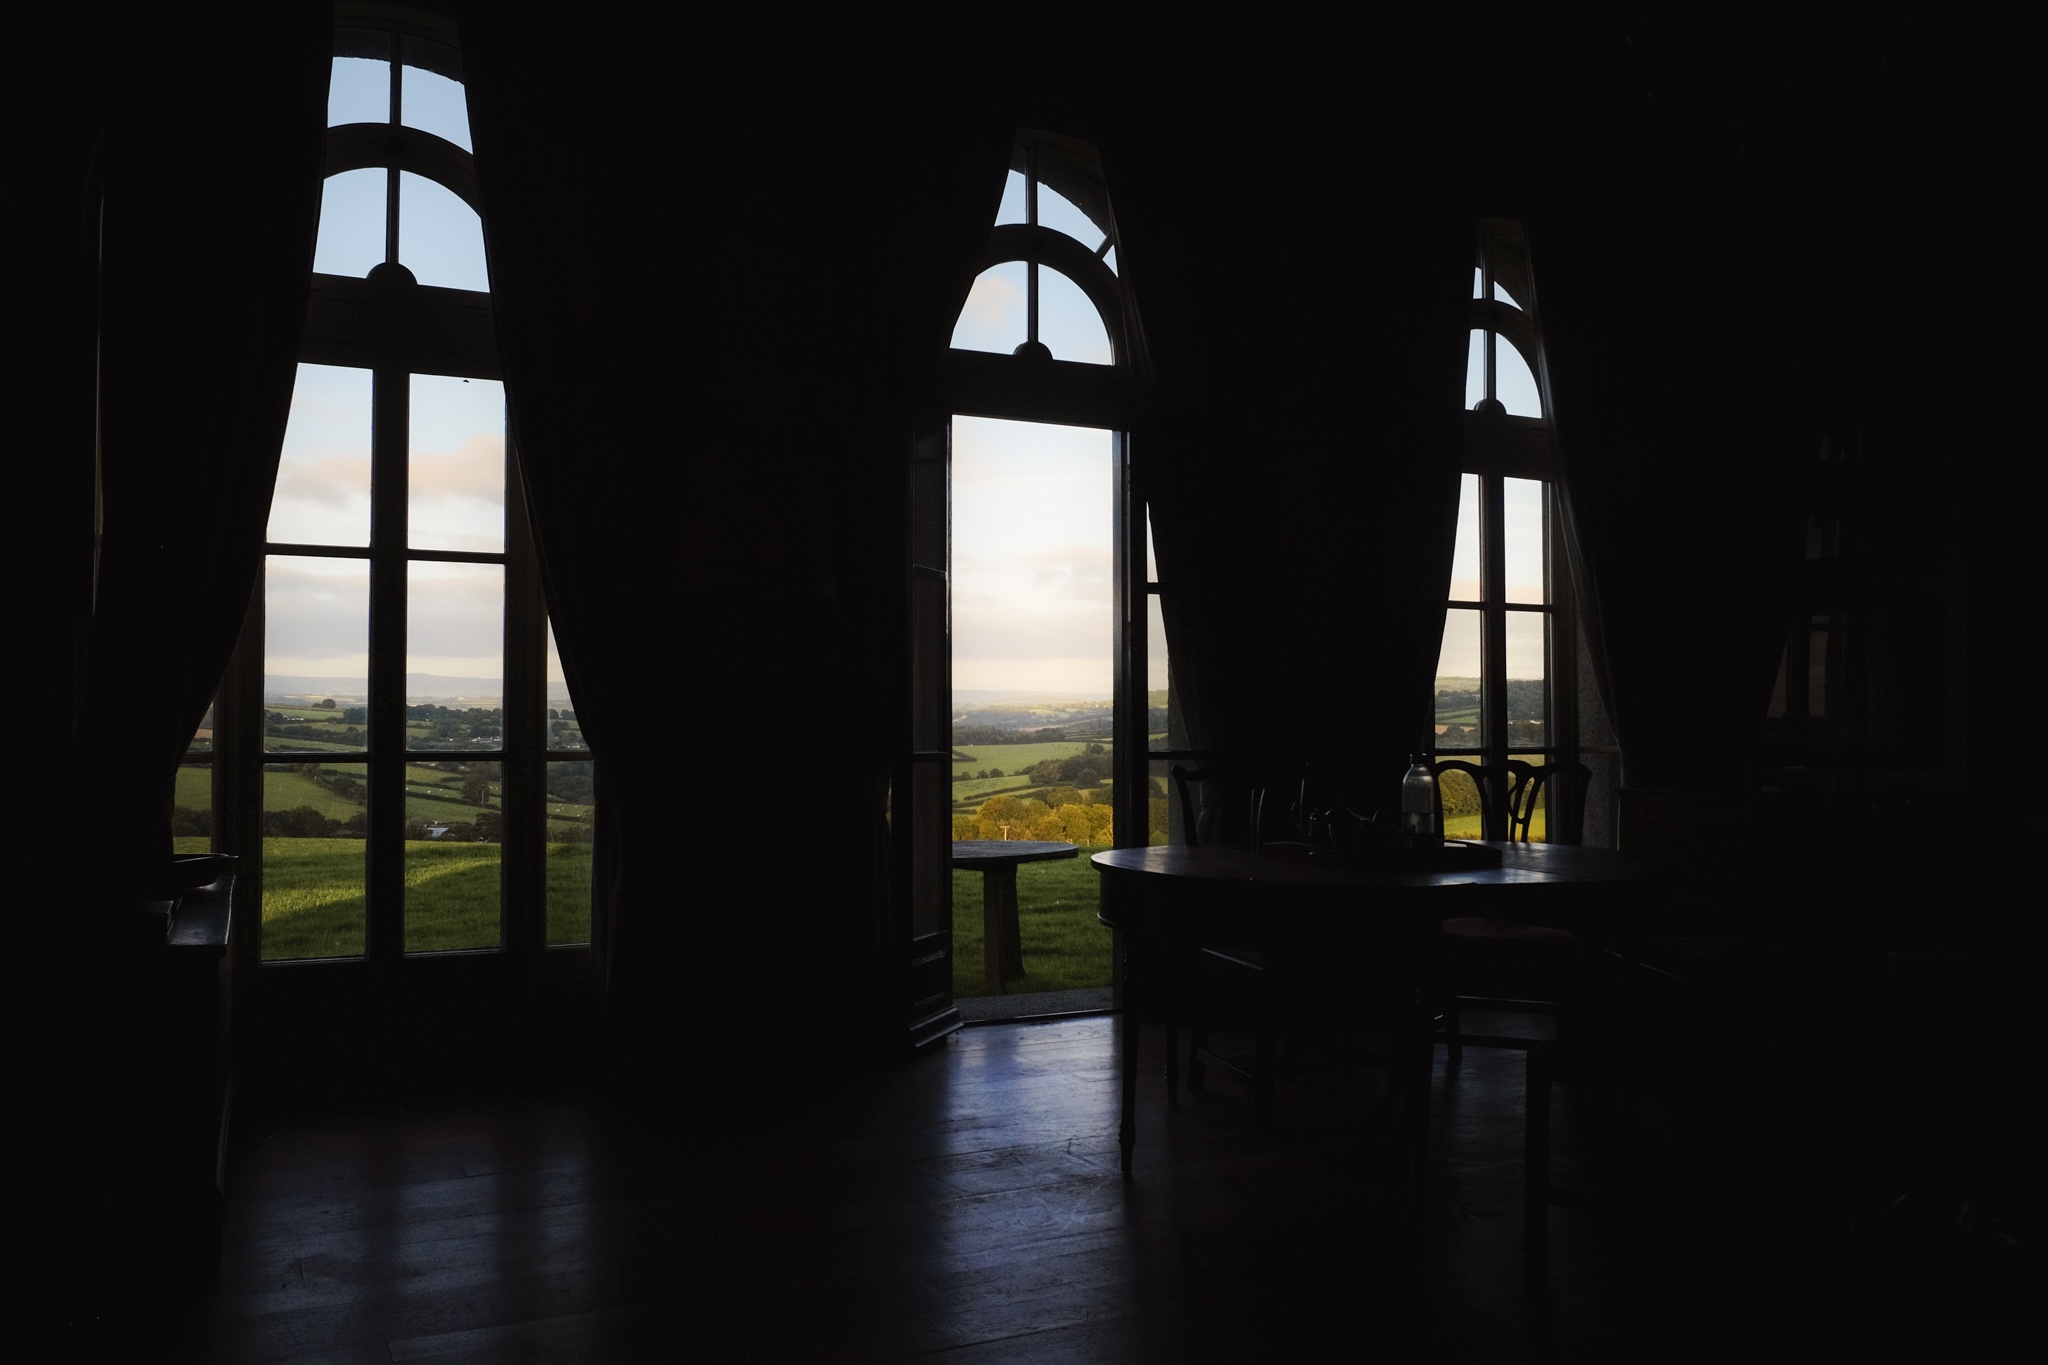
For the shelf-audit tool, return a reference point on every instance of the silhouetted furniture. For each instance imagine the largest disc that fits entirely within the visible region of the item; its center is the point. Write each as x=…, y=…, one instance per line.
x=1170, y=900
x=1657, y=1062
x=1523, y=964
x=1265, y=988
x=997, y=860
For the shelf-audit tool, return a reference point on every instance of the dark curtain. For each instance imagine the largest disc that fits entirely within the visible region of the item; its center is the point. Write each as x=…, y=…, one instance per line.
x=716, y=319
x=1700, y=314
x=203, y=250
x=1304, y=291
x=166, y=211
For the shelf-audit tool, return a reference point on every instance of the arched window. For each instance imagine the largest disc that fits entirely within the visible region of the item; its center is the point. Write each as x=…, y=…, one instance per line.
x=1507, y=673
x=1020, y=573
x=411, y=766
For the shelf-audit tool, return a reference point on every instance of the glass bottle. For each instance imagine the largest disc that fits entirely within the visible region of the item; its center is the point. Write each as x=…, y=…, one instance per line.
x=1418, y=803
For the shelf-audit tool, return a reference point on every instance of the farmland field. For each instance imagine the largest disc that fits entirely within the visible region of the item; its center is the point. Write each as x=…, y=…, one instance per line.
x=1013, y=758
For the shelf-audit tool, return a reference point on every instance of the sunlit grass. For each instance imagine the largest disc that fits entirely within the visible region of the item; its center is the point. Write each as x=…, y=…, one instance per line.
x=314, y=905
x=1065, y=947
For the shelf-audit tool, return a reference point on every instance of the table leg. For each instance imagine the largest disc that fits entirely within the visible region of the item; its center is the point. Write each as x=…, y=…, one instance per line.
x=1001, y=950
x=1127, y=1120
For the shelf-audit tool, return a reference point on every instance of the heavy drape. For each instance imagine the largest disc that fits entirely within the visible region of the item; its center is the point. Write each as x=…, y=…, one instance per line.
x=203, y=249
x=172, y=225
x=1304, y=298
x=716, y=322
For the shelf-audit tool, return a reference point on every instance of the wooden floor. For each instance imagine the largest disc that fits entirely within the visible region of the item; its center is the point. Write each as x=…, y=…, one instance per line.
x=962, y=1207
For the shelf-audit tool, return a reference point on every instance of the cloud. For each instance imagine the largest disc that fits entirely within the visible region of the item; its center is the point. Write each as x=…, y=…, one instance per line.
x=327, y=480
x=989, y=302
x=474, y=469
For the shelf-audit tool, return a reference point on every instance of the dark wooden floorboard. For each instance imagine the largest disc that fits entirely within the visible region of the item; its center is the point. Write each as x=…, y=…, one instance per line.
x=963, y=1208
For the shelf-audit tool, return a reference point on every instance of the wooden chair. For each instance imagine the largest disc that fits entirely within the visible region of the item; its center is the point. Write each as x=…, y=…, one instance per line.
x=1247, y=969
x=1274, y=991
x=1520, y=966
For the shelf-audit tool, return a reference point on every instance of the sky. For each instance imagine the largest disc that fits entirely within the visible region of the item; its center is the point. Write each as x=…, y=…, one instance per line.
x=317, y=609
x=1033, y=572
x=1522, y=531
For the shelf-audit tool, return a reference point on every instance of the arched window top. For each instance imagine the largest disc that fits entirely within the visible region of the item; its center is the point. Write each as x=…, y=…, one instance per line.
x=401, y=183
x=1513, y=383
x=397, y=66
x=1048, y=286
x=1500, y=372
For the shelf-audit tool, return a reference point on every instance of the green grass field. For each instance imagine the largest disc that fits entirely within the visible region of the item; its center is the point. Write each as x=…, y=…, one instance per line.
x=1015, y=758
x=432, y=796
x=313, y=902
x=1064, y=947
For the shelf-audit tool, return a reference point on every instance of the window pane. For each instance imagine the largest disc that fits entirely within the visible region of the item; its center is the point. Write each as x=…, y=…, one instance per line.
x=1513, y=382
x=993, y=318
x=1522, y=528
x=451, y=886
x=1161, y=806
x=316, y=633
x=1458, y=708
x=1011, y=210
x=1539, y=823
x=192, y=809
x=456, y=475
x=1067, y=321
x=323, y=471
x=1466, y=583
x=563, y=730
x=1464, y=816
x=1158, y=677
x=1504, y=296
x=202, y=736
x=440, y=238
x=570, y=830
x=1151, y=557
x=1528, y=698
x=359, y=91
x=1061, y=214
x=434, y=104
x=1033, y=596
x=455, y=654
x=314, y=819
x=351, y=240
x=1478, y=287
x=1475, y=369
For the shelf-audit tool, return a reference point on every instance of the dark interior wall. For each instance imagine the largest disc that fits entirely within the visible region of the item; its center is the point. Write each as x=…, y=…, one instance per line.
x=1801, y=233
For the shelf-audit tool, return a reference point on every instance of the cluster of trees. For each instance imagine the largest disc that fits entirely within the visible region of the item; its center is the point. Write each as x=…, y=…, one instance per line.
x=477, y=725
x=1002, y=734
x=1079, y=821
x=985, y=772
x=1526, y=697
x=1085, y=769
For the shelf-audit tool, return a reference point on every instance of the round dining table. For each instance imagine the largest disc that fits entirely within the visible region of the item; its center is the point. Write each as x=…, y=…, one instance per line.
x=1168, y=901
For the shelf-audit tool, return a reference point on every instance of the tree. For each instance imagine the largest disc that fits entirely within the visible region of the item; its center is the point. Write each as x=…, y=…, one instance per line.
x=476, y=791
x=1000, y=813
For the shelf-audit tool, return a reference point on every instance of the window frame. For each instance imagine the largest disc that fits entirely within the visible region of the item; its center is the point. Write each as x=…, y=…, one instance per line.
x=1499, y=446
x=1030, y=385
x=395, y=328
